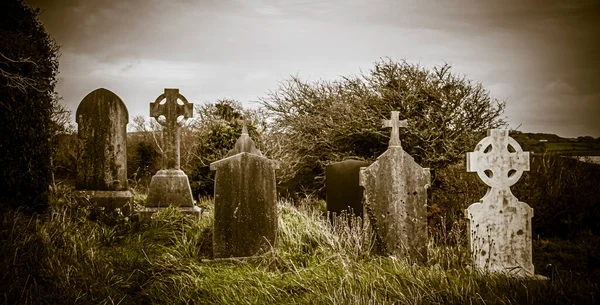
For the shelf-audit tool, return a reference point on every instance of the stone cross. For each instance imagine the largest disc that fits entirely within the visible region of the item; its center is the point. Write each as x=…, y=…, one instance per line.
x=500, y=225
x=171, y=110
x=395, y=191
x=498, y=160
x=102, y=167
x=395, y=124
x=170, y=185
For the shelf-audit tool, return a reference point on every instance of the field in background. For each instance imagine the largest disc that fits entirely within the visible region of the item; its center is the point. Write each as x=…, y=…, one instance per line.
x=553, y=144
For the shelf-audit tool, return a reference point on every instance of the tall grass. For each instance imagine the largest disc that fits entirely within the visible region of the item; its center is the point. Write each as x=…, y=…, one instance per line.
x=76, y=254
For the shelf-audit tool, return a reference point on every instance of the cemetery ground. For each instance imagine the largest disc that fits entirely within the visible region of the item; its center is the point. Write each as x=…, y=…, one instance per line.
x=79, y=254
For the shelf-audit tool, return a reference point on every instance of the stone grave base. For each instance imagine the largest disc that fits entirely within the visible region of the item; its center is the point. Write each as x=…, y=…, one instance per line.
x=170, y=187
x=242, y=259
x=110, y=200
x=147, y=212
x=524, y=277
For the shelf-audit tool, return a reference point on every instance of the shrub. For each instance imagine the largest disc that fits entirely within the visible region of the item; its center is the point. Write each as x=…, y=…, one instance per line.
x=216, y=130
x=563, y=193
x=28, y=70
x=325, y=121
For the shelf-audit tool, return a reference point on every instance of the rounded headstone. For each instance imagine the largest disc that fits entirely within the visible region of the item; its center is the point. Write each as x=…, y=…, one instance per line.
x=102, y=119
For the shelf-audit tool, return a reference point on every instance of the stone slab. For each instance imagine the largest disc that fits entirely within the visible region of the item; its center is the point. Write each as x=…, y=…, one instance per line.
x=396, y=204
x=101, y=123
x=245, y=206
x=344, y=192
x=110, y=199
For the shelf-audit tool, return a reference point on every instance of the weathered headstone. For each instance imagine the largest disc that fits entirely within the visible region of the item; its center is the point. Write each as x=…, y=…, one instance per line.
x=245, y=222
x=396, y=199
x=170, y=185
x=102, y=168
x=500, y=224
x=344, y=193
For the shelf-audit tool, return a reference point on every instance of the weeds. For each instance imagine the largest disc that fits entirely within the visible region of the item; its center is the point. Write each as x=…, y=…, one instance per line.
x=75, y=254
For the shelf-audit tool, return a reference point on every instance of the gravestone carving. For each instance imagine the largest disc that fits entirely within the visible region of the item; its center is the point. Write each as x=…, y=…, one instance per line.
x=500, y=224
x=102, y=119
x=396, y=199
x=245, y=212
x=170, y=185
x=344, y=193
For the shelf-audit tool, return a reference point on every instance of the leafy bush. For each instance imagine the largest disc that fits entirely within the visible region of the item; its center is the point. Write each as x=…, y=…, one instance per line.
x=562, y=191
x=564, y=194
x=28, y=70
x=325, y=121
x=216, y=130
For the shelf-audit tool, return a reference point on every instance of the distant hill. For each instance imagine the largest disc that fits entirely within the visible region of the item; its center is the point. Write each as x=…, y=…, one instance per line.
x=553, y=144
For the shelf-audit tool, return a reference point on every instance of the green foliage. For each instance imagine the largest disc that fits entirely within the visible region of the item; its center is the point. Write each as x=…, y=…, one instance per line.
x=326, y=121
x=146, y=159
x=564, y=195
x=562, y=191
x=216, y=129
x=76, y=253
x=143, y=152
x=28, y=69
x=66, y=153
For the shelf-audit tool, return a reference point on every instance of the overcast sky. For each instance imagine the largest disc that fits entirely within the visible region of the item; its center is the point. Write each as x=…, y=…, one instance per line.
x=542, y=57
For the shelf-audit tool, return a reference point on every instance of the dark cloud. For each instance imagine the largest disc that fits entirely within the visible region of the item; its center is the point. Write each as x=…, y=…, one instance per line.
x=541, y=56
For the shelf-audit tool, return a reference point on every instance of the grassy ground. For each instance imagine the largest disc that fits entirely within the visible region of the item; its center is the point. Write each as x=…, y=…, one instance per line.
x=76, y=254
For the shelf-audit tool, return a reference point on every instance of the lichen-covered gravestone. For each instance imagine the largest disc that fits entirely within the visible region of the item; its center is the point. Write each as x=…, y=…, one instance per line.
x=500, y=224
x=245, y=222
x=102, y=167
x=170, y=185
x=344, y=193
x=396, y=199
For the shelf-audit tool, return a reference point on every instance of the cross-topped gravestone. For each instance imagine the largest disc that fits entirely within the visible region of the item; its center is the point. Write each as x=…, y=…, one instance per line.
x=171, y=110
x=245, y=222
x=395, y=123
x=500, y=225
x=396, y=199
x=170, y=186
x=102, y=168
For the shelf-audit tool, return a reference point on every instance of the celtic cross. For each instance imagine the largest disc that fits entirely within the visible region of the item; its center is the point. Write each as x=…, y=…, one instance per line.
x=498, y=159
x=171, y=110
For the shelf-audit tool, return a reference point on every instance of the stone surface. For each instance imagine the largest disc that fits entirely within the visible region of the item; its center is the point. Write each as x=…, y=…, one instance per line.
x=245, y=210
x=396, y=199
x=500, y=224
x=102, y=119
x=344, y=192
x=110, y=199
x=170, y=185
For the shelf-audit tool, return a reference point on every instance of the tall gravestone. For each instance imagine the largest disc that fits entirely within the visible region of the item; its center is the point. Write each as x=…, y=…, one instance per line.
x=102, y=167
x=344, y=193
x=170, y=185
x=396, y=199
x=500, y=224
x=245, y=212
